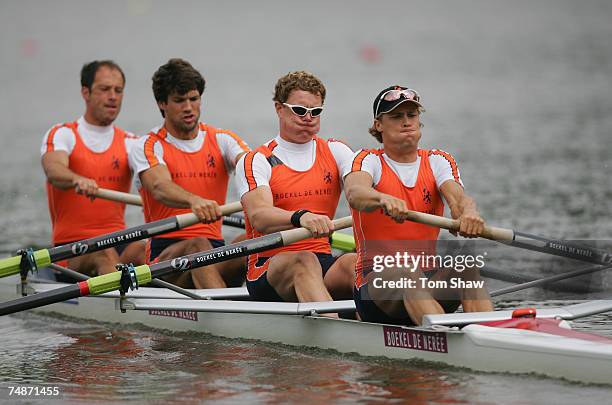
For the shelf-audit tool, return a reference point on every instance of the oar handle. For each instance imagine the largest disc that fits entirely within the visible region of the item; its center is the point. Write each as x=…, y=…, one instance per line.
x=294, y=235
x=490, y=232
x=183, y=219
x=119, y=196
x=191, y=219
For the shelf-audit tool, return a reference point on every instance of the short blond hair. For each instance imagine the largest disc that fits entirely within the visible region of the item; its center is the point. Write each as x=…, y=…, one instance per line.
x=299, y=80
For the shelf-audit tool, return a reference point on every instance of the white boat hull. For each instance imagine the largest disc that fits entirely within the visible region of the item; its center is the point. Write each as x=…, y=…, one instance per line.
x=475, y=346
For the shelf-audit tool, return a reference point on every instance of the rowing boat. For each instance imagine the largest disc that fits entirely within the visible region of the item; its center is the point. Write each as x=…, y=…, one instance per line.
x=533, y=341
x=491, y=342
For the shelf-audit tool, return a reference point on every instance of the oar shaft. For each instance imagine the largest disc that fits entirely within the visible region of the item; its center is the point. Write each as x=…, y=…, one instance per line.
x=561, y=248
x=44, y=257
x=41, y=299
x=240, y=249
x=522, y=240
x=144, y=274
x=132, y=234
x=550, y=279
x=158, y=283
x=234, y=221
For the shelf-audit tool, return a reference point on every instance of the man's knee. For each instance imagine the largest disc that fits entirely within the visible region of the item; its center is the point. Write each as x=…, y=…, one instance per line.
x=106, y=256
x=303, y=259
x=199, y=244
x=305, y=263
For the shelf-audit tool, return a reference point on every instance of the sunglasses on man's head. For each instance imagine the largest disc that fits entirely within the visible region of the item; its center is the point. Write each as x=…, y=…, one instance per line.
x=395, y=94
x=301, y=111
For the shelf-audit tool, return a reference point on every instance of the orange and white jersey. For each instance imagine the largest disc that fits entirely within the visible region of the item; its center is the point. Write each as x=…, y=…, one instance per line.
x=316, y=185
x=200, y=166
x=74, y=216
x=96, y=138
x=299, y=157
x=424, y=177
x=443, y=166
x=230, y=145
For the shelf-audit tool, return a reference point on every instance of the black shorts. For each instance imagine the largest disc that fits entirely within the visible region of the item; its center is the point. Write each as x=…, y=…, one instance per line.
x=370, y=312
x=261, y=290
x=159, y=244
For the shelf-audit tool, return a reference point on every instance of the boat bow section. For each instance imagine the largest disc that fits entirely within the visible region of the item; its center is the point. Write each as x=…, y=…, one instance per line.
x=566, y=353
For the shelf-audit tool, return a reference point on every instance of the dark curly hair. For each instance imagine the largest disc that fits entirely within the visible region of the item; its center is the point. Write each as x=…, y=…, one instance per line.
x=176, y=76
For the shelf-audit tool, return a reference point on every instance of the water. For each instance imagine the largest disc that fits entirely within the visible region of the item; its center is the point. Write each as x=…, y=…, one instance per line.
x=104, y=363
x=518, y=92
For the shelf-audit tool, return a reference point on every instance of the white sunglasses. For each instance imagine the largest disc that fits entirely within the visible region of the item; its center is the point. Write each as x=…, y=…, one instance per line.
x=301, y=111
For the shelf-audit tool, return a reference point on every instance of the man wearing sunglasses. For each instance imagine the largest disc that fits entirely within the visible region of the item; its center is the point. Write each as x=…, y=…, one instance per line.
x=381, y=187
x=294, y=181
x=184, y=166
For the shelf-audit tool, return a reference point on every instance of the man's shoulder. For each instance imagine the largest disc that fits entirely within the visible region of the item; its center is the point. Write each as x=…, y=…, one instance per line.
x=364, y=152
x=265, y=149
x=261, y=155
x=361, y=156
x=211, y=129
x=439, y=155
x=127, y=134
x=223, y=131
x=63, y=126
x=337, y=141
x=144, y=141
x=437, y=152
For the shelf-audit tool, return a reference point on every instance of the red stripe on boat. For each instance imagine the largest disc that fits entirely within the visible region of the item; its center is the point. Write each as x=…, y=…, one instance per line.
x=84, y=287
x=550, y=326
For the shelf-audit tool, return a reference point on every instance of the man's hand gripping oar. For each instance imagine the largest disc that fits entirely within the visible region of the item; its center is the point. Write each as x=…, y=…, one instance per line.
x=30, y=260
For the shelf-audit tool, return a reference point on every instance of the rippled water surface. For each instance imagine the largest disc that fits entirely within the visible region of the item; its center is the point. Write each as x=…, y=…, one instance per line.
x=519, y=92
x=103, y=363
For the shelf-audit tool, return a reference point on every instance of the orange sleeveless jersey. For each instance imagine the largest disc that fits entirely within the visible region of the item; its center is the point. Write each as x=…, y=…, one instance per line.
x=422, y=197
x=202, y=173
x=75, y=217
x=317, y=190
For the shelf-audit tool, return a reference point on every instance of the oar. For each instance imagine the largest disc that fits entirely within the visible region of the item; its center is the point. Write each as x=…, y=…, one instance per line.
x=157, y=282
x=578, y=286
x=119, y=196
x=134, y=199
x=43, y=257
x=550, y=279
x=521, y=240
x=145, y=273
x=338, y=240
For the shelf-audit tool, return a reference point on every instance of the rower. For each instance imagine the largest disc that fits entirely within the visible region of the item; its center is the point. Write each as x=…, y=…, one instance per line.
x=381, y=186
x=184, y=166
x=291, y=181
x=81, y=156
